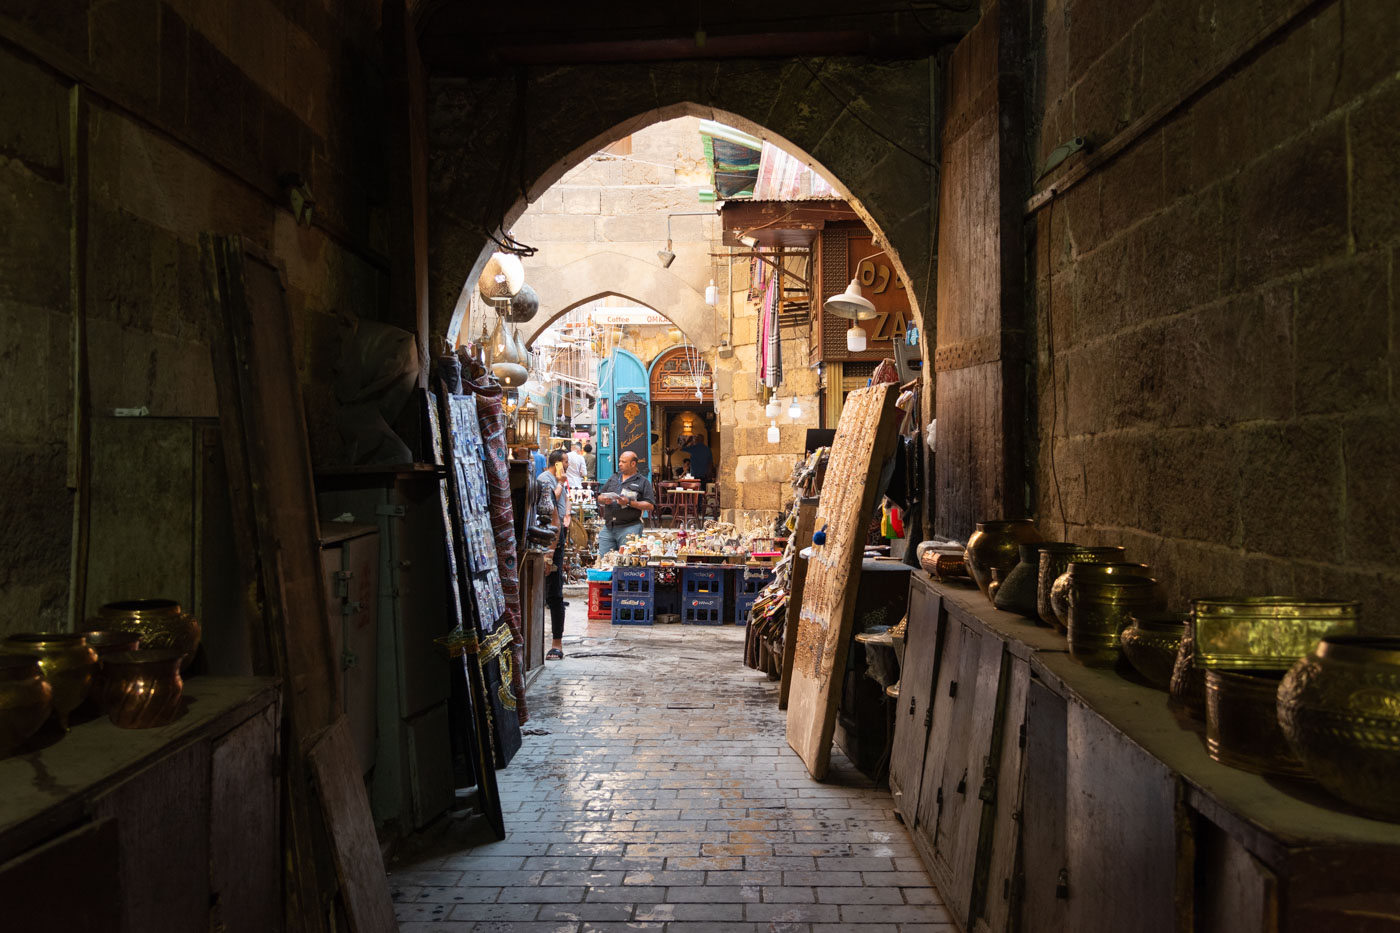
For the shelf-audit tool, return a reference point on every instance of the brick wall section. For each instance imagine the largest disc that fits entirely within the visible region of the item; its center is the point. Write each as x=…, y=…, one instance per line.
x=194, y=109
x=1215, y=308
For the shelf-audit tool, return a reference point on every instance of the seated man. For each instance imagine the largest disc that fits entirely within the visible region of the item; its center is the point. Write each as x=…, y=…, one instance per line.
x=701, y=457
x=623, y=498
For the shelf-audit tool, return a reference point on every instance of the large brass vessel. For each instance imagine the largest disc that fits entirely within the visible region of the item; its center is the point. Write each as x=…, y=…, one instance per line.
x=161, y=623
x=67, y=662
x=1266, y=632
x=995, y=546
x=1102, y=599
x=1054, y=561
x=26, y=700
x=1242, y=728
x=1017, y=592
x=1340, y=709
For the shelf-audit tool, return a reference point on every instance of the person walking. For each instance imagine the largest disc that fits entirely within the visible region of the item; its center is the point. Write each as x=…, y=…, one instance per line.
x=578, y=467
x=590, y=458
x=624, y=497
x=553, y=491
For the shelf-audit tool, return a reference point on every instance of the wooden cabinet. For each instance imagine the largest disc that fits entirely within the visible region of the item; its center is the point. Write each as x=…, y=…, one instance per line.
x=1055, y=797
x=179, y=825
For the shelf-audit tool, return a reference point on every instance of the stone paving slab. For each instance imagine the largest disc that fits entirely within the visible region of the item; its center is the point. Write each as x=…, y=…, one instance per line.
x=662, y=795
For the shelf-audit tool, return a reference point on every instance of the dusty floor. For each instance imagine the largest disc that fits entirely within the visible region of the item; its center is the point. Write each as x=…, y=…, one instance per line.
x=663, y=796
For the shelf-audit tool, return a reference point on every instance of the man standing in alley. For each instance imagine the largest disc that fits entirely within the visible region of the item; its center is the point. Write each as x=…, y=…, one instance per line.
x=578, y=467
x=624, y=497
x=590, y=458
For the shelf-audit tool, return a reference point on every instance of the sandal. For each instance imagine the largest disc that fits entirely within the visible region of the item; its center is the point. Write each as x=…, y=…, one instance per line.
x=554, y=654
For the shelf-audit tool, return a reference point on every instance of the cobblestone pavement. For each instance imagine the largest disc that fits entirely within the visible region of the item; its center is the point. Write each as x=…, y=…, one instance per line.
x=664, y=796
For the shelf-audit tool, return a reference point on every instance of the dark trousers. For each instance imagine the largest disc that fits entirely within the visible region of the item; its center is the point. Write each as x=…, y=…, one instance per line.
x=554, y=592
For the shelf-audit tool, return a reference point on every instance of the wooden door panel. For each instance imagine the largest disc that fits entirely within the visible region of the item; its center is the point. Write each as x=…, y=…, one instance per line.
x=959, y=781
x=1006, y=824
x=944, y=696
x=912, y=710
x=1042, y=814
x=1120, y=831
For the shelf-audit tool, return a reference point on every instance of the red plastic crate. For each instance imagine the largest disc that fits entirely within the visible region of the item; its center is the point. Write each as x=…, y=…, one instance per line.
x=600, y=599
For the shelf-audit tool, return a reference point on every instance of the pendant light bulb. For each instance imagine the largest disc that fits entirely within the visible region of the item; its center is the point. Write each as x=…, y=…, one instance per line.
x=773, y=433
x=855, y=338
x=711, y=294
x=699, y=393
x=772, y=409
x=794, y=410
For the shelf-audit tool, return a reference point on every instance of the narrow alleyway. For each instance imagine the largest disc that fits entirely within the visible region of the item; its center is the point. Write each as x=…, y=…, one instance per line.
x=663, y=796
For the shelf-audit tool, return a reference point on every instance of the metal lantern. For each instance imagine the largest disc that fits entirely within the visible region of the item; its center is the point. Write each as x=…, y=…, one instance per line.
x=524, y=430
x=523, y=306
x=503, y=276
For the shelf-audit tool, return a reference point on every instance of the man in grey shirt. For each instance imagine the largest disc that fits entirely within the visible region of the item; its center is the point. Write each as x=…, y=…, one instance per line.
x=624, y=497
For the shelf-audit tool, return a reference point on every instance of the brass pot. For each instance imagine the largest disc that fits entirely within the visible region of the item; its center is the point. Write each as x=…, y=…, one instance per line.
x=995, y=545
x=1188, y=684
x=68, y=665
x=1100, y=607
x=26, y=700
x=1242, y=728
x=160, y=623
x=1150, y=643
x=103, y=644
x=1059, y=590
x=1017, y=591
x=142, y=689
x=1054, y=561
x=1266, y=632
x=1340, y=710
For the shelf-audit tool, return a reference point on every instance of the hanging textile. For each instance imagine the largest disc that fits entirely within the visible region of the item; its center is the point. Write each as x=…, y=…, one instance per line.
x=775, y=341
x=492, y=419
x=767, y=337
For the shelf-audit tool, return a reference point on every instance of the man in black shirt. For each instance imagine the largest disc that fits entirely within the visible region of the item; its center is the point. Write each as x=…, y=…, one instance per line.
x=624, y=497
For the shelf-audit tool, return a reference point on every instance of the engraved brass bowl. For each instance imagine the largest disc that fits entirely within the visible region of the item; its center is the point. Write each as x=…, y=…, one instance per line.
x=1054, y=561
x=995, y=546
x=67, y=662
x=26, y=700
x=1242, y=728
x=1266, y=632
x=1099, y=610
x=1150, y=643
x=161, y=623
x=1340, y=710
x=142, y=689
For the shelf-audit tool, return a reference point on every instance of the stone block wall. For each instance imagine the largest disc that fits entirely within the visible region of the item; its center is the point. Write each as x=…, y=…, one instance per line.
x=1215, y=308
x=187, y=112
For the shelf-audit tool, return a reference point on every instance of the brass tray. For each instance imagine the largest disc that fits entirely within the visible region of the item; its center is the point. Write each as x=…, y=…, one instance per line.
x=1266, y=633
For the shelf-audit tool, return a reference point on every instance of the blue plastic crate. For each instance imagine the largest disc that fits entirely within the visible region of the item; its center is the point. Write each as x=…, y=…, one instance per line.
x=702, y=582
x=632, y=581
x=750, y=580
x=742, y=604
x=599, y=576
x=632, y=610
x=702, y=610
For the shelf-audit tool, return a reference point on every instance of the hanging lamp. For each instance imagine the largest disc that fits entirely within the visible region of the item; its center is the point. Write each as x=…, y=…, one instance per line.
x=794, y=410
x=503, y=276
x=773, y=432
x=711, y=294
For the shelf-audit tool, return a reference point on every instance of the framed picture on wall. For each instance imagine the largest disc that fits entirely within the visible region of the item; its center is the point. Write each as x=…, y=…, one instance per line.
x=602, y=409
x=605, y=440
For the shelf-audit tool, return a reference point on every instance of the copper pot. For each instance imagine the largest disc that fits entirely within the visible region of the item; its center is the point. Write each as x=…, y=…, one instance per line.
x=161, y=623
x=142, y=689
x=1060, y=589
x=995, y=546
x=1242, y=728
x=104, y=644
x=1102, y=599
x=26, y=700
x=1340, y=709
x=67, y=662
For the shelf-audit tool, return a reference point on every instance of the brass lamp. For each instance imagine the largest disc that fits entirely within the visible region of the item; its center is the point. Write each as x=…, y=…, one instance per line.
x=526, y=424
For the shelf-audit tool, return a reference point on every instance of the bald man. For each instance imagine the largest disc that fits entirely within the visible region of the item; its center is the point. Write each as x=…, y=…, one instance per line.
x=624, y=497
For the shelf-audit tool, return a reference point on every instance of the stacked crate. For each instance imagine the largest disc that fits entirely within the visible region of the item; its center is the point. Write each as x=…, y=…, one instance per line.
x=633, y=596
x=599, y=595
x=702, y=595
x=748, y=583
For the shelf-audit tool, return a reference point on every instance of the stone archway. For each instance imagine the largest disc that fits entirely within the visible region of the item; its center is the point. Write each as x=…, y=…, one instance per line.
x=563, y=288
x=865, y=124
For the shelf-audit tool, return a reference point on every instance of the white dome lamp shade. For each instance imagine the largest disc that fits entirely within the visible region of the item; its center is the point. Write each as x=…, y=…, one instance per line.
x=712, y=294
x=854, y=306
x=772, y=409
x=503, y=276
x=794, y=410
x=773, y=433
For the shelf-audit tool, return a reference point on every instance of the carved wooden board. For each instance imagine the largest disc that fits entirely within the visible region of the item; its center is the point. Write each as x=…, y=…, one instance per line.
x=802, y=534
x=864, y=440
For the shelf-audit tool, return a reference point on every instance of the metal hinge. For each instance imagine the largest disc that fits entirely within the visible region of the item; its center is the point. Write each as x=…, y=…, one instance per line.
x=1021, y=737
x=342, y=582
x=350, y=606
x=952, y=688
x=1062, y=885
x=928, y=718
x=913, y=701
x=348, y=660
x=988, y=791
x=962, y=783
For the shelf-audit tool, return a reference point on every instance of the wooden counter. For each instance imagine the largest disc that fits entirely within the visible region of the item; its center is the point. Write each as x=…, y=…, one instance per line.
x=1045, y=795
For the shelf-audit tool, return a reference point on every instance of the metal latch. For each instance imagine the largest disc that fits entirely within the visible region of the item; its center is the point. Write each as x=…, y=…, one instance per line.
x=348, y=660
x=1062, y=885
x=988, y=791
x=952, y=688
x=928, y=718
x=342, y=582
x=962, y=783
x=349, y=607
x=1021, y=738
x=396, y=511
